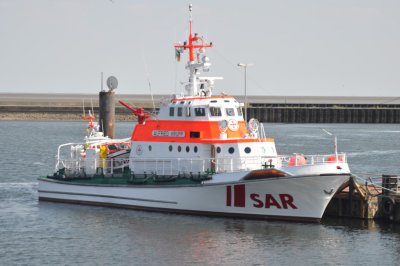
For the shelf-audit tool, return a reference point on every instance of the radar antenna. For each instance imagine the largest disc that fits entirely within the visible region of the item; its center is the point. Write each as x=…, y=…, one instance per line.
x=197, y=59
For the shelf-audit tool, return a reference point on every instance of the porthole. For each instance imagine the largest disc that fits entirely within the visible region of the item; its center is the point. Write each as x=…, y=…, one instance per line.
x=231, y=150
x=187, y=148
x=247, y=150
x=149, y=147
x=218, y=149
x=195, y=149
x=170, y=147
x=179, y=148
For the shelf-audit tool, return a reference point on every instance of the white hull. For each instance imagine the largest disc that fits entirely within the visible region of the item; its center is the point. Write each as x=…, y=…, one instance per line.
x=291, y=198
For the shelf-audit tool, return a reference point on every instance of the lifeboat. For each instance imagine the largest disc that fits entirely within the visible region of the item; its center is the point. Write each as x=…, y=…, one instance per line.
x=199, y=156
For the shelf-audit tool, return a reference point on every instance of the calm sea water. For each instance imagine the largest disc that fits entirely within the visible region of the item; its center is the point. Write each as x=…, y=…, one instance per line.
x=40, y=233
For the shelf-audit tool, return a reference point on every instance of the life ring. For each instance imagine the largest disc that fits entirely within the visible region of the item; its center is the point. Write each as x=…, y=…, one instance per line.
x=387, y=205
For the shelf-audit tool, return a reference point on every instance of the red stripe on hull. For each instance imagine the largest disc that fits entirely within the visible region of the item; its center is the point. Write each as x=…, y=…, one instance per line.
x=240, y=195
x=228, y=196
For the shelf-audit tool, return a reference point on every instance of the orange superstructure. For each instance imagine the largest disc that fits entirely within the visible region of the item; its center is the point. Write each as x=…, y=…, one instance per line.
x=194, y=132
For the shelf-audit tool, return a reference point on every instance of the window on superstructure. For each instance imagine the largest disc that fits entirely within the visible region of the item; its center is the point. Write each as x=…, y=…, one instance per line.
x=188, y=112
x=194, y=134
x=230, y=111
x=239, y=111
x=215, y=111
x=171, y=111
x=179, y=112
x=200, y=111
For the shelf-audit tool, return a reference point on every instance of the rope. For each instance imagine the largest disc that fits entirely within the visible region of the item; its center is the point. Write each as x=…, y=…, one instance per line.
x=375, y=185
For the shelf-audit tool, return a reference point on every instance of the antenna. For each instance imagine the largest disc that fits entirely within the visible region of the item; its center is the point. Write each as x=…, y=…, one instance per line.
x=335, y=142
x=196, y=48
x=101, y=81
x=148, y=81
x=190, y=14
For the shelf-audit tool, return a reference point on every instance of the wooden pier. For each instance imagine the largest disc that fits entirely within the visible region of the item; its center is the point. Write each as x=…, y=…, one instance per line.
x=367, y=201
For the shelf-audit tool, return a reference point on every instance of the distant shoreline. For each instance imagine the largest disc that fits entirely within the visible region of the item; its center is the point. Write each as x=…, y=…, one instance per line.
x=25, y=116
x=274, y=109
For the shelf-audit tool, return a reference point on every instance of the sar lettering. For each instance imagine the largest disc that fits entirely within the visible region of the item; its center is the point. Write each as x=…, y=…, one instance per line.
x=284, y=201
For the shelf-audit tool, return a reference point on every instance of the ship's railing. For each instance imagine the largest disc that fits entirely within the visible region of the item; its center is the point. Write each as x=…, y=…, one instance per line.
x=88, y=167
x=171, y=166
x=298, y=159
x=194, y=166
x=191, y=166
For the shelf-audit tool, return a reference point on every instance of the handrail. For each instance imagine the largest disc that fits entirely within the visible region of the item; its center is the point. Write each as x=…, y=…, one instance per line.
x=174, y=166
x=59, y=151
x=301, y=159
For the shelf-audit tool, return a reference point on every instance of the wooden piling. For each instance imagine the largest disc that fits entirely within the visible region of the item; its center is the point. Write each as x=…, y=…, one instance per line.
x=367, y=201
x=354, y=201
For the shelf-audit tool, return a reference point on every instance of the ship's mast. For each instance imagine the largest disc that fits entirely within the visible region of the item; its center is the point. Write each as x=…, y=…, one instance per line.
x=197, y=60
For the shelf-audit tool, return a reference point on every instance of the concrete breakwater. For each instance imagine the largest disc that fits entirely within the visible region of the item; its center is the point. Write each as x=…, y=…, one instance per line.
x=275, y=109
x=337, y=114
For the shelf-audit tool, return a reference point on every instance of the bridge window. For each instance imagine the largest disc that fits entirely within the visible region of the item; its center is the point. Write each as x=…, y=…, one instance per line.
x=199, y=111
x=215, y=111
x=187, y=112
x=239, y=111
x=230, y=111
x=179, y=113
x=171, y=111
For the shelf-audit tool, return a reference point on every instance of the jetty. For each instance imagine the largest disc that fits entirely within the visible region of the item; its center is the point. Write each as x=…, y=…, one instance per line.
x=367, y=201
x=267, y=109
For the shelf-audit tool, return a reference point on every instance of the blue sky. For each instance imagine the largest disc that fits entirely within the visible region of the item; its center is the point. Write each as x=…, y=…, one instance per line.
x=307, y=47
